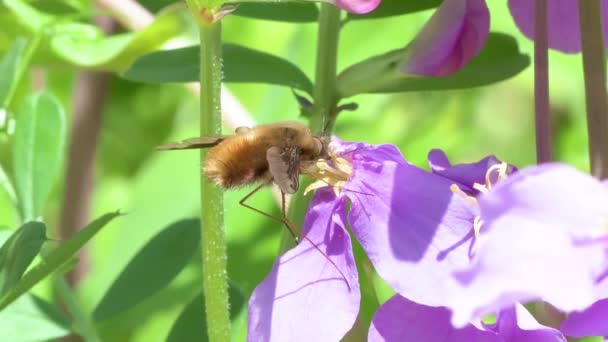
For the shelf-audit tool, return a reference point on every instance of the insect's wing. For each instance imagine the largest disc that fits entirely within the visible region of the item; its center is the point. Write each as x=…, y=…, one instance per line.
x=192, y=143
x=284, y=166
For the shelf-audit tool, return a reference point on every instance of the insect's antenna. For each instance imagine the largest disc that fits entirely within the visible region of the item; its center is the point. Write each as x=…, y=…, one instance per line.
x=289, y=224
x=350, y=151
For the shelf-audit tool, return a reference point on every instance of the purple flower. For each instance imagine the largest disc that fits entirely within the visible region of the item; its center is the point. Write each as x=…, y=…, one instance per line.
x=591, y=321
x=469, y=237
x=544, y=239
x=450, y=39
x=306, y=297
x=356, y=6
x=563, y=22
x=402, y=320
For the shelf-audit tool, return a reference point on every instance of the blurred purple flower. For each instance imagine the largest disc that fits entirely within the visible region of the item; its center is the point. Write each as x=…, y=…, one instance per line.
x=450, y=39
x=544, y=238
x=591, y=321
x=402, y=320
x=563, y=22
x=356, y=6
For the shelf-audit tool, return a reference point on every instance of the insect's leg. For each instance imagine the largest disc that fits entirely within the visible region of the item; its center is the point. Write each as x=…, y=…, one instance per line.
x=280, y=220
x=290, y=226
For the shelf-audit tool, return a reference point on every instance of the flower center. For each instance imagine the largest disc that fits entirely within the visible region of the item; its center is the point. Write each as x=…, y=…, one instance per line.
x=330, y=173
x=494, y=174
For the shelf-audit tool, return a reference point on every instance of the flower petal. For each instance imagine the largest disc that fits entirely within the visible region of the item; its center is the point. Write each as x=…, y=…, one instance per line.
x=589, y=322
x=402, y=320
x=555, y=194
x=464, y=174
x=562, y=20
x=305, y=298
x=450, y=39
x=519, y=260
x=356, y=6
x=415, y=231
x=517, y=324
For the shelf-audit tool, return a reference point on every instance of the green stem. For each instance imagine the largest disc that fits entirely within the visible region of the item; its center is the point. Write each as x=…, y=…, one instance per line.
x=541, y=83
x=213, y=239
x=325, y=100
x=324, y=92
x=594, y=67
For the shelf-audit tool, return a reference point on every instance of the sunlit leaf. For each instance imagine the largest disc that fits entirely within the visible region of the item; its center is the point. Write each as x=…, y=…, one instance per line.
x=18, y=252
x=500, y=59
x=86, y=46
x=9, y=189
x=241, y=65
x=55, y=259
x=152, y=268
x=390, y=8
x=32, y=319
x=72, y=42
x=191, y=324
x=38, y=150
x=9, y=65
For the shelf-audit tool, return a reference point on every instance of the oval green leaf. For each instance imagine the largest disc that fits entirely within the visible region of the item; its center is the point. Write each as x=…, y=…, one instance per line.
x=9, y=65
x=38, y=150
x=191, y=324
x=241, y=65
x=9, y=189
x=295, y=12
x=152, y=268
x=85, y=45
x=18, y=252
x=55, y=259
x=499, y=60
x=389, y=8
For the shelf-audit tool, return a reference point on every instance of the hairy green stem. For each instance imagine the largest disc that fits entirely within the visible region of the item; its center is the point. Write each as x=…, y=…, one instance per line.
x=325, y=99
x=541, y=83
x=594, y=67
x=213, y=237
x=324, y=92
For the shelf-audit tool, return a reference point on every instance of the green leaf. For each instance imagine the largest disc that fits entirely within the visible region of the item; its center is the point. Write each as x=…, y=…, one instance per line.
x=191, y=324
x=70, y=42
x=152, y=268
x=38, y=151
x=241, y=65
x=9, y=66
x=8, y=187
x=296, y=12
x=55, y=259
x=390, y=8
x=32, y=319
x=18, y=252
x=85, y=45
x=500, y=59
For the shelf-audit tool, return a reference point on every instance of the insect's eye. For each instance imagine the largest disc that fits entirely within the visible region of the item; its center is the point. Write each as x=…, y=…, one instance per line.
x=242, y=130
x=318, y=146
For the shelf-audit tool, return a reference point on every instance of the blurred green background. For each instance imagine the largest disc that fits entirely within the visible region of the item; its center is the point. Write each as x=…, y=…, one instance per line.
x=156, y=189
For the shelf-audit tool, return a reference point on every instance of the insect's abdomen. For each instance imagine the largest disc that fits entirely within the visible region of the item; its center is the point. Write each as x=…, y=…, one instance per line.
x=236, y=162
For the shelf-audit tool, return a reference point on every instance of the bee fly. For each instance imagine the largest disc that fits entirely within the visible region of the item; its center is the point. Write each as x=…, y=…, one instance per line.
x=262, y=154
